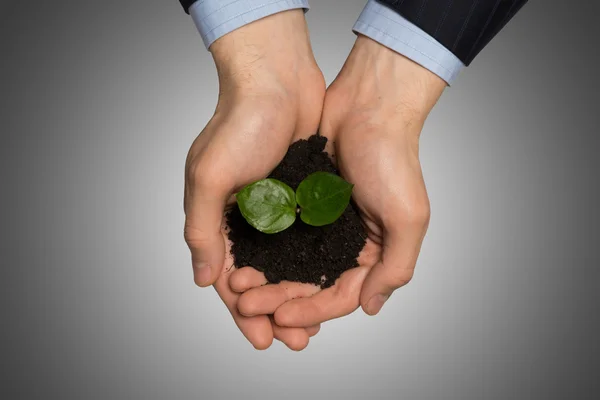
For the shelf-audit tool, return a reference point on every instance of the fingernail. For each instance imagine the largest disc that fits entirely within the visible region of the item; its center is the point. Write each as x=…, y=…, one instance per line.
x=203, y=274
x=375, y=304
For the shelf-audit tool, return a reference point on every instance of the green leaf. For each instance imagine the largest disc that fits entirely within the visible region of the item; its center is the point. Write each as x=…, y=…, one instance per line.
x=268, y=205
x=323, y=198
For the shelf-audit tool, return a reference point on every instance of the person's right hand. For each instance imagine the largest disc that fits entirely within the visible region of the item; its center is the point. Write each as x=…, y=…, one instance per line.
x=271, y=94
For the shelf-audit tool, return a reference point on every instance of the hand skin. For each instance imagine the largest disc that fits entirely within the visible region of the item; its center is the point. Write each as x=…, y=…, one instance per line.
x=374, y=112
x=271, y=94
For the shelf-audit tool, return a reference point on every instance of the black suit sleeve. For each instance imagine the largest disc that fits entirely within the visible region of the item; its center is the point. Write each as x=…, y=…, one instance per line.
x=186, y=4
x=464, y=27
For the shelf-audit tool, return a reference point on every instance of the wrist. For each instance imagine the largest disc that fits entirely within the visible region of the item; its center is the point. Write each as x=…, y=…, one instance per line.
x=268, y=67
x=266, y=54
x=377, y=79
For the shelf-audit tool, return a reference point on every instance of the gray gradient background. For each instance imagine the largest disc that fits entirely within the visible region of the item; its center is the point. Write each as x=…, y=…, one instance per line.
x=99, y=102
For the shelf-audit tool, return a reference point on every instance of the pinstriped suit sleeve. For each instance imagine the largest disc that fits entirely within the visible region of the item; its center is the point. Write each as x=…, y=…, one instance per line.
x=389, y=28
x=464, y=27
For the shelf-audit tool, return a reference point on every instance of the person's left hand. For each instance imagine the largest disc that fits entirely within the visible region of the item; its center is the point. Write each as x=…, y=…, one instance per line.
x=374, y=113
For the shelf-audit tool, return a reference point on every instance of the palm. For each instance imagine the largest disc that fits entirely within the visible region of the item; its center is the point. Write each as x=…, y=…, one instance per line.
x=392, y=200
x=298, y=304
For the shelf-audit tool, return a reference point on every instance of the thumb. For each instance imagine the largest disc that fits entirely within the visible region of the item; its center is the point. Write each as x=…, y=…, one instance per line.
x=204, y=216
x=394, y=270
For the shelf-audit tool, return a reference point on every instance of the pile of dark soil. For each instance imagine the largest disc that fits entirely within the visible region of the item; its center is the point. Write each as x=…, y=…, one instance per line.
x=301, y=253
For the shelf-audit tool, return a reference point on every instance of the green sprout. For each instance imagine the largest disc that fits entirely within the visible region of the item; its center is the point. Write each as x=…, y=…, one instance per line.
x=271, y=206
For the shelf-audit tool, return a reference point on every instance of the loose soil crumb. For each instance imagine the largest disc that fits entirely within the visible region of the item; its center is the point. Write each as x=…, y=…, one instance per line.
x=301, y=253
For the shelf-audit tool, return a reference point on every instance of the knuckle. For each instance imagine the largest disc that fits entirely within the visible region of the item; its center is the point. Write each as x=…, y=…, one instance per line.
x=206, y=177
x=401, y=279
x=195, y=172
x=245, y=306
x=348, y=298
x=418, y=214
x=423, y=213
x=199, y=173
x=194, y=237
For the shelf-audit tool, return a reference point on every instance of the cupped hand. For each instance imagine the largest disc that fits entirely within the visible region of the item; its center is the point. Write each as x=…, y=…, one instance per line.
x=374, y=113
x=271, y=94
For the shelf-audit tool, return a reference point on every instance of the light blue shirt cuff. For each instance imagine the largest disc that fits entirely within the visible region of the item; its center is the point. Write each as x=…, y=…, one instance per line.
x=216, y=18
x=389, y=28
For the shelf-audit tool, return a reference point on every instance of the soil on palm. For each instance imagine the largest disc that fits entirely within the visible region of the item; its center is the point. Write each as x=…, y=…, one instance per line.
x=301, y=253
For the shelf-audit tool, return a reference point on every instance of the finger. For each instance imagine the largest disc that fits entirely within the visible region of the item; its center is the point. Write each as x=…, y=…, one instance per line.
x=394, y=270
x=313, y=330
x=204, y=215
x=334, y=302
x=246, y=278
x=266, y=299
x=294, y=338
x=258, y=330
